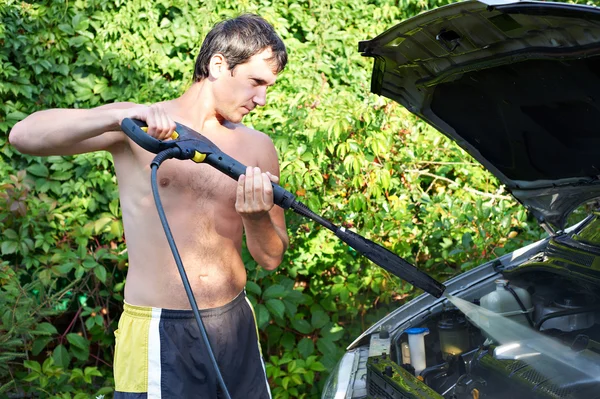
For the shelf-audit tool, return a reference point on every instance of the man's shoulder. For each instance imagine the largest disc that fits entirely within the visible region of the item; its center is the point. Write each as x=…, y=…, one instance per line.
x=255, y=135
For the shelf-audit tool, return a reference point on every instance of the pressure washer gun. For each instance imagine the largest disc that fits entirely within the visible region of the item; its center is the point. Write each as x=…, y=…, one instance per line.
x=189, y=144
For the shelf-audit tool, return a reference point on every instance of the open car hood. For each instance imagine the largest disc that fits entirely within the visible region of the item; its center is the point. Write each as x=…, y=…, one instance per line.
x=515, y=84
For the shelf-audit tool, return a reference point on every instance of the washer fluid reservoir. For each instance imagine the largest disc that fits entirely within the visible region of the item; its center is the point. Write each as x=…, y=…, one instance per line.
x=503, y=302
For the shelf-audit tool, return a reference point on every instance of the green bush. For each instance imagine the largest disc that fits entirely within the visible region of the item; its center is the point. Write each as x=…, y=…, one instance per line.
x=360, y=160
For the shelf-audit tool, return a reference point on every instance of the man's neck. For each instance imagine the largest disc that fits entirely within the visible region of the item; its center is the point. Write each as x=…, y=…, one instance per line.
x=196, y=106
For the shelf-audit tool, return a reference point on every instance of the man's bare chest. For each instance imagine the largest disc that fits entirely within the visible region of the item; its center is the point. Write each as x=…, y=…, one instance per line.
x=189, y=181
x=197, y=181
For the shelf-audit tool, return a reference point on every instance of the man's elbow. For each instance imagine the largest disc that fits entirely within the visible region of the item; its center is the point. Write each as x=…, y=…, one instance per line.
x=271, y=263
x=17, y=139
x=15, y=136
x=271, y=259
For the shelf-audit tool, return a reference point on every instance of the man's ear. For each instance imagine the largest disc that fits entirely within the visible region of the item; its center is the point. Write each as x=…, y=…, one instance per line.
x=218, y=65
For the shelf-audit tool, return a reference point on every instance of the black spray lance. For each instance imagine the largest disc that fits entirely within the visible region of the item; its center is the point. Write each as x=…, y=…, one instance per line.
x=189, y=144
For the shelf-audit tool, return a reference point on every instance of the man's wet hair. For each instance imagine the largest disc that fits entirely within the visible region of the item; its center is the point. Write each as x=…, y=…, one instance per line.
x=239, y=39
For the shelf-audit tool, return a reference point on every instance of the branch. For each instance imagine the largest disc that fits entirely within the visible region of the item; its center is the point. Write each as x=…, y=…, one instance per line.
x=447, y=163
x=468, y=189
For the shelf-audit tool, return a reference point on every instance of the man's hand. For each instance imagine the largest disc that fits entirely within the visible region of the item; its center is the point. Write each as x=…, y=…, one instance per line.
x=160, y=124
x=255, y=193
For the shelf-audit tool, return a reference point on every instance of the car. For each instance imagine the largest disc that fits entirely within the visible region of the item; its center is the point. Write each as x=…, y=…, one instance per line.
x=517, y=86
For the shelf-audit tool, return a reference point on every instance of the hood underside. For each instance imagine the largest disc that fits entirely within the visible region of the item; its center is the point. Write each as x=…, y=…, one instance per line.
x=517, y=85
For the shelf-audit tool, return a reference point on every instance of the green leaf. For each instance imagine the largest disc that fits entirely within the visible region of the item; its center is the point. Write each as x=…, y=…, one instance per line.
x=16, y=116
x=92, y=372
x=9, y=247
x=309, y=376
x=100, y=272
x=306, y=347
x=101, y=223
x=46, y=329
x=11, y=234
x=61, y=176
x=104, y=391
x=61, y=356
x=39, y=345
x=116, y=228
x=78, y=341
x=290, y=308
x=39, y=170
x=326, y=347
x=78, y=41
x=32, y=377
x=80, y=347
x=467, y=241
x=79, y=272
x=288, y=341
x=262, y=315
x=63, y=268
x=33, y=365
x=81, y=354
x=297, y=378
x=90, y=263
x=332, y=332
x=276, y=307
x=329, y=304
x=62, y=69
x=76, y=374
x=302, y=326
x=274, y=291
x=319, y=319
x=254, y=288
x=291, y=366
x=316, y=366
x=66, y=28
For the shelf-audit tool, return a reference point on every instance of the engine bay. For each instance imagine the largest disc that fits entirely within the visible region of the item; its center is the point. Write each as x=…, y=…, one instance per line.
x=555, y=293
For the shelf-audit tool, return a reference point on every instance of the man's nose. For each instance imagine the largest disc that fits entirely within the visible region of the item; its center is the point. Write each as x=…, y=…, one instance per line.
x=260, y=98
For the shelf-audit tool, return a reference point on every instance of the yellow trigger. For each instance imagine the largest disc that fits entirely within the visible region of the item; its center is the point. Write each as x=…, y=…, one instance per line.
x=174, y=136
x=198, y=157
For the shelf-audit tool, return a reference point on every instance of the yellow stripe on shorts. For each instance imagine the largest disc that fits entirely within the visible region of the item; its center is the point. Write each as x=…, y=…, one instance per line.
x=137, y=351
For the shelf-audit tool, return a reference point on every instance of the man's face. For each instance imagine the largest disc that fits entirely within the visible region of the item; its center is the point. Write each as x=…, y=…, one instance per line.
x=239, y=91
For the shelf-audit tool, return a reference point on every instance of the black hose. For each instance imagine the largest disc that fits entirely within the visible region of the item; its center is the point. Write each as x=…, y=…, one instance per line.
x=567, y=312
x=162, y=156
x=525, y=311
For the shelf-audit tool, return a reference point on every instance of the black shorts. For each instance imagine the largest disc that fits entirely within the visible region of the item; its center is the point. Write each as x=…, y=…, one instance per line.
x=160, y=353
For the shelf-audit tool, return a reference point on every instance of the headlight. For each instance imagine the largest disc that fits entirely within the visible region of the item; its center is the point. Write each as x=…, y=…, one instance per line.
x=336, y=386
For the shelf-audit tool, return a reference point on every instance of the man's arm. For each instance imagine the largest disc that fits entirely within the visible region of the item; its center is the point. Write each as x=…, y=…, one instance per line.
x=264, y=223
x=76, y=131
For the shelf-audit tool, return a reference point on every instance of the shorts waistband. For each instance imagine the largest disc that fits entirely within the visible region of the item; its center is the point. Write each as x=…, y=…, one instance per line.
x=147, y=312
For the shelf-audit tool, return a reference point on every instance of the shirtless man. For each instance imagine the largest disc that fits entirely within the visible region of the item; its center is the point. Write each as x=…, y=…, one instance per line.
x=159, y=352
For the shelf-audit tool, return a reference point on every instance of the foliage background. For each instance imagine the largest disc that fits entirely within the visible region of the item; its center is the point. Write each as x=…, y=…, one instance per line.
x=360, y=160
